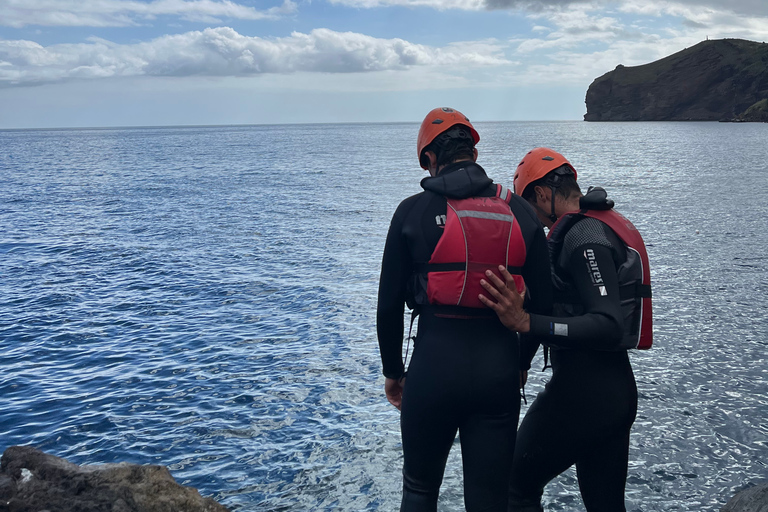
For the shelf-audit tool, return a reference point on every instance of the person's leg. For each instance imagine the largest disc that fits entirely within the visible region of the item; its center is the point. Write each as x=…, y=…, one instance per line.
x=487, y=428
x=428, y=424
x=602, y=473
x=427, y=441
x=547, y=444
x=602, y=469
x=487, y=447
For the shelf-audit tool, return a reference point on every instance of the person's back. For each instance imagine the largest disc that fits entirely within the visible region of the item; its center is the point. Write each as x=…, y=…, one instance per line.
x=464, y=372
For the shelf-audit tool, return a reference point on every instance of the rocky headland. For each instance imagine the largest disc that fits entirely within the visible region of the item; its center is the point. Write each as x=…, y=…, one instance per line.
x=715, y=80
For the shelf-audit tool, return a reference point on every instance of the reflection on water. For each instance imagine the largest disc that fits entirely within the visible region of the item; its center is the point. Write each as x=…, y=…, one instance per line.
x=204, y=298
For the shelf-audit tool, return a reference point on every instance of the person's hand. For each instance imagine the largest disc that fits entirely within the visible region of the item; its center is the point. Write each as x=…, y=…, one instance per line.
x=393, y=388
x=509, y=302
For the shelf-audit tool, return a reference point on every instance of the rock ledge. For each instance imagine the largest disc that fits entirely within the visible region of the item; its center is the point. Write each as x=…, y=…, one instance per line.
x=752, y=499
x=33, y=481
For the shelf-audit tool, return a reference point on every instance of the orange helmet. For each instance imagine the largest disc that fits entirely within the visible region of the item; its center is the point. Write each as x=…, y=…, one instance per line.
x=536, y=164
x=438, y=121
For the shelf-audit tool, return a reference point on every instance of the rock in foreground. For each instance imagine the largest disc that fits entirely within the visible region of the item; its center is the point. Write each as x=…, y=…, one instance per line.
x=715, y=80
x=753, y=499
x=33, y=481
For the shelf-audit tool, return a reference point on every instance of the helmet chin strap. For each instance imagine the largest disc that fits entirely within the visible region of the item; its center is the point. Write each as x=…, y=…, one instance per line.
x=554, y=181
x=552, y=215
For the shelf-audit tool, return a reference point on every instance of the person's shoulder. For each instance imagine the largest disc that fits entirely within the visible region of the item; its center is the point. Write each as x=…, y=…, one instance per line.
x=522, y=210
x=407, y=204
x=586, y=231
x=419, y=196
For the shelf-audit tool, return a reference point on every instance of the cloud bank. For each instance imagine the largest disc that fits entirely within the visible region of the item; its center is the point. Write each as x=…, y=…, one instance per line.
x=121, y=13
x=653, y=7
x=224, y=52
x=116, y=13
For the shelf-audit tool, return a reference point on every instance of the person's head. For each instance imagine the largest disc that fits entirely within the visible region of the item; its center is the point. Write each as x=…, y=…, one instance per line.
x=547, y=180
x=445, y=136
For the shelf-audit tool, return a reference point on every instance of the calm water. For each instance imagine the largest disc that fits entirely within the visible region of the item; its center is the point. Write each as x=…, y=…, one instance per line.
x=204, y=298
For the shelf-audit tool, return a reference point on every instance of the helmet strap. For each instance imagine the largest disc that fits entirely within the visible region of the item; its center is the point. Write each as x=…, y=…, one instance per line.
x=554, y=181
x=552, y=215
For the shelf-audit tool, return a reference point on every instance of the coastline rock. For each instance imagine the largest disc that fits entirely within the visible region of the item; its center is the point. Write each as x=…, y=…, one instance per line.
x=722, y=79
x=34, y=481
x=752, y=499
x=756, y=113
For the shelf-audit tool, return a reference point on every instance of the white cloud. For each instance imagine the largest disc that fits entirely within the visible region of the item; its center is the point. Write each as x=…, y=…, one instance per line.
x=118, y=13
x=558, y=59
x=651, y=7
x=740, y=7
x=575, y=44
x=104, y=13
x=572, y=28
x=224, y=52
x=574, y=67
x=716, y=22
x=466, y=5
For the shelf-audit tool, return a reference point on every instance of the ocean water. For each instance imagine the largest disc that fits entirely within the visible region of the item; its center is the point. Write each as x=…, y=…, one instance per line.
x=204, y=298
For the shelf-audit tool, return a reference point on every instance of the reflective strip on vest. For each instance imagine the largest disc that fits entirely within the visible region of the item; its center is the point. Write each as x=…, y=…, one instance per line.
x=485, y=215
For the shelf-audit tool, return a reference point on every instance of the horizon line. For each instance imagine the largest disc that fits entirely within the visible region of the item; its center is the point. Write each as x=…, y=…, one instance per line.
x=139, y=127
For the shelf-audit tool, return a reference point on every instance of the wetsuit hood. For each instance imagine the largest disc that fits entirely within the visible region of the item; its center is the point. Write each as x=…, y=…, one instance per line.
x=458, y=180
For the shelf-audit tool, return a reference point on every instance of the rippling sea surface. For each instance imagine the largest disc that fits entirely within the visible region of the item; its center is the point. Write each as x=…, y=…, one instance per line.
x=204, y=298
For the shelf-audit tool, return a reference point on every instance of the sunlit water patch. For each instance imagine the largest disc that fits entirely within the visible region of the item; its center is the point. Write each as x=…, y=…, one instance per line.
x=204, y=298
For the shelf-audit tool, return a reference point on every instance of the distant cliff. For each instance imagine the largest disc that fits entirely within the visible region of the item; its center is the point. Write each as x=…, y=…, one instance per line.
x=716, y=80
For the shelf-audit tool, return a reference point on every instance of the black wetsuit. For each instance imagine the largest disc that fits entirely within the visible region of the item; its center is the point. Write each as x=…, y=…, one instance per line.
x=464, y=373
x=586, y=410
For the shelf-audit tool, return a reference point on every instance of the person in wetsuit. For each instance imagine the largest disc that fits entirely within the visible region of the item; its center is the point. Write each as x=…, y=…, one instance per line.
x=586, y=410
x=464, y=372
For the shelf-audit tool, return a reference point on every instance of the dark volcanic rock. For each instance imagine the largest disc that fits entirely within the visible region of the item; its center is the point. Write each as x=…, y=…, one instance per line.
x=33, y=481
x=712, y=81
x=753, y=499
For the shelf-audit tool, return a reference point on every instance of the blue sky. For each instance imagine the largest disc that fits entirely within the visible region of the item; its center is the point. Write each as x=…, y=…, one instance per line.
x=82, y=63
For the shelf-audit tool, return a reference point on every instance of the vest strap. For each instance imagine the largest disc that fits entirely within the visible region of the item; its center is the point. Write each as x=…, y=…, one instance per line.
x=456, y=312
x=635, y=291
x=628, y=291
x=424, y=268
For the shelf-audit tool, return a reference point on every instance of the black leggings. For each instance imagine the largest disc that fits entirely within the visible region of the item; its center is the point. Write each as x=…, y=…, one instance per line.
x=464, y=376
x=583, y=417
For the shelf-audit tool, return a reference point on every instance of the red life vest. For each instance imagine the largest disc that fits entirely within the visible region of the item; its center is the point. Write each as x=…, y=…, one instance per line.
x=480, y=233
x=634, y=275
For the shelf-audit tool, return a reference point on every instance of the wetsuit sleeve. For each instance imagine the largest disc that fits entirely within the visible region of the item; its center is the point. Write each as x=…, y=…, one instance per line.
x=592, y=269
x=396, y=268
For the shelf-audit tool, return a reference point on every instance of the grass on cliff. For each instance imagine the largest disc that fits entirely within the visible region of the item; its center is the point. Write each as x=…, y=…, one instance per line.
x=760, y=106
x=735, y=53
